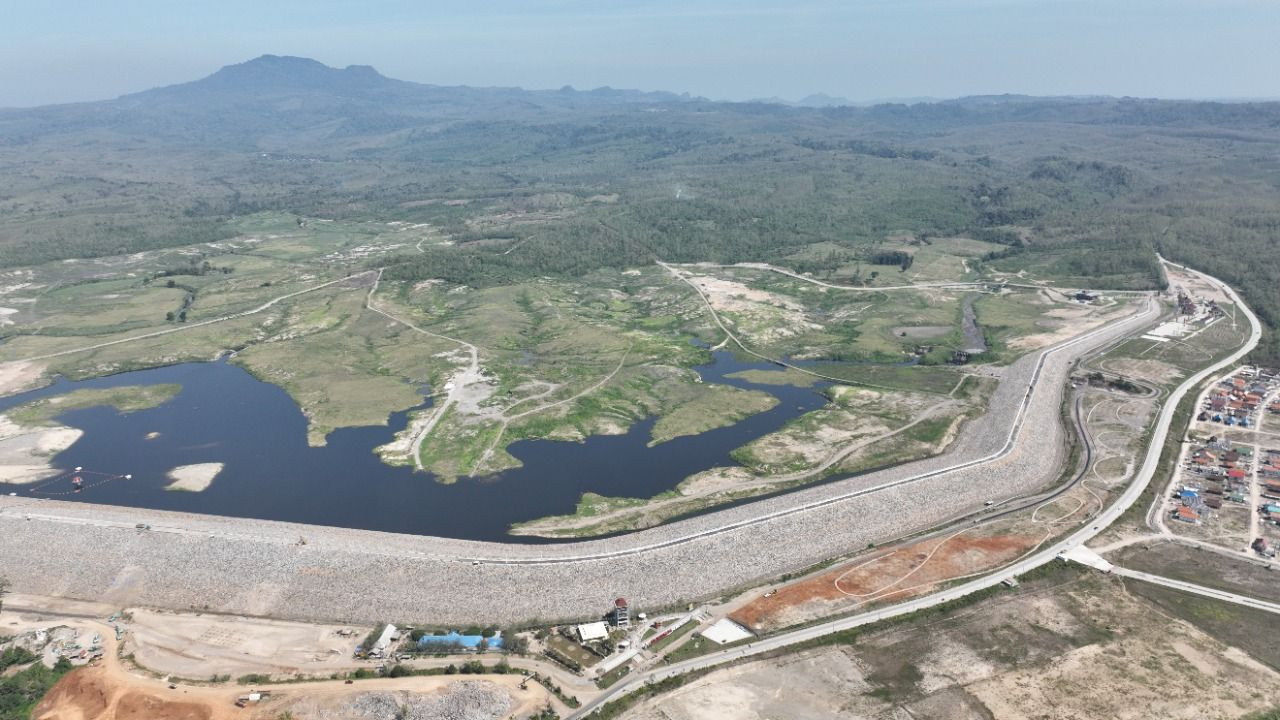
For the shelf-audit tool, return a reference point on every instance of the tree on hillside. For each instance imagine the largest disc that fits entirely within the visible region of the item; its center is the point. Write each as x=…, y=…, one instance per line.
x=4, y=590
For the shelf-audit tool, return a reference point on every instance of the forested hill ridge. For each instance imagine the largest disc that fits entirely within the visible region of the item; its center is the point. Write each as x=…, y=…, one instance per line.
x=249, y=104
x=1081, y=189
x=271, y=77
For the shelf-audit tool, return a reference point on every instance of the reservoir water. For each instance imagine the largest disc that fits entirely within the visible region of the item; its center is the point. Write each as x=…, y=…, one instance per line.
x=225, y=415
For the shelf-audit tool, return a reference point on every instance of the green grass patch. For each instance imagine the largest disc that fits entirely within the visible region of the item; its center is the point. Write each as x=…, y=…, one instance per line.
x=716, y=406
x=126, y=399
x=785, y=376
x=675, y=635
x=929, y=432
x=572, y=650
x=611, y=678
x=917, y=378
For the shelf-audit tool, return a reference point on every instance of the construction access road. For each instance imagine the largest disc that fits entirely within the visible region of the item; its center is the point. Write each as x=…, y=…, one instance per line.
x=1194, y=589
x=1048, y=553
x=254, y=567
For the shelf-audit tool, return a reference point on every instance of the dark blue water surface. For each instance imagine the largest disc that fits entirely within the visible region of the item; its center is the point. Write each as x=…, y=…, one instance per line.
x=223, y=414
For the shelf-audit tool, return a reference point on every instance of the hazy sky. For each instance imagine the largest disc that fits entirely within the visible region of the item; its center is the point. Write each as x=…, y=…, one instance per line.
x=67, y=50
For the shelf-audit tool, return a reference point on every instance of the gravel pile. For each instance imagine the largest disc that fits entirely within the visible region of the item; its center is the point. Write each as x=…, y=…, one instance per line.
x=464, y=700
x=257, y=567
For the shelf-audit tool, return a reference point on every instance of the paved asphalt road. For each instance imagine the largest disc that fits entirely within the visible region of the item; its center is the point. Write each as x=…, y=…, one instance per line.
x=1208, y=592
x=1131, y=494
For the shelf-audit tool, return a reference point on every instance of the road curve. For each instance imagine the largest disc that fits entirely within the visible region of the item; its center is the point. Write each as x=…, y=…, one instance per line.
x=259, y=567
x=458, y=380
x=1142, y=478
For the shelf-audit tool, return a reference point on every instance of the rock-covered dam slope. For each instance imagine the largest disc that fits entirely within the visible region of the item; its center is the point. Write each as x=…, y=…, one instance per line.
x=259, y=567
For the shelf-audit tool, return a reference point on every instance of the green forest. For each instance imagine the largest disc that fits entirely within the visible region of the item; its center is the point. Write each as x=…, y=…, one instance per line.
x=527, y=184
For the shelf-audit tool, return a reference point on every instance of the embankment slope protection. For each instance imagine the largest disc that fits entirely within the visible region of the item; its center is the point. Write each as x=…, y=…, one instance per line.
x=257, y=567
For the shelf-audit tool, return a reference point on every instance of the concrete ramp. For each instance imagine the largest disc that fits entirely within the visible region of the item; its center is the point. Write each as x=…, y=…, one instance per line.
x=1085, y=556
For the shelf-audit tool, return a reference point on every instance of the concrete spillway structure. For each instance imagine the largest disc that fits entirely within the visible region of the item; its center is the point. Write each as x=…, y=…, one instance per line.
x=258, y=567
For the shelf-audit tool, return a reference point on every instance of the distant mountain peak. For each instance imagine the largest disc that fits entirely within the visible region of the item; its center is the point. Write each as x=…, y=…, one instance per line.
x=819, y=100
x=276, y=73
x=270, y=59
x=308, y=93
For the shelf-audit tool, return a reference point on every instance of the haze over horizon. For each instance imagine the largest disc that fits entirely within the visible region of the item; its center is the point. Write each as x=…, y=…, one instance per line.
x=866, y=50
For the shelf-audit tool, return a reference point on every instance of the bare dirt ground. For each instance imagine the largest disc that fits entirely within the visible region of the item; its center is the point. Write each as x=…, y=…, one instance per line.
x=1080, y=649
x=89, y=694
x=762, y=316
x=25, y=451
x=1155, y=667
x=894, y=574
x=1171, y=559
x=485, y=699
x=197, y=646
x=856, y=413
x=1194, y=285
x=19, y=375
x=193, y=478
x=201, y=646
x=99, y=693
x=809, y=446
x=1153, y=371
x=1062, y=323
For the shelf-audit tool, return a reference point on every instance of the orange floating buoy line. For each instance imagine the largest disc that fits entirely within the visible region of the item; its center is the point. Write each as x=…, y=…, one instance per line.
x=80, y=480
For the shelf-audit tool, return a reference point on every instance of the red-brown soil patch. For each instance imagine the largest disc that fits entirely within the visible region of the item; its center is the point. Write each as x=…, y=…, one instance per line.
x=892, y=575
x=91, y=694
x=79, y=695
x=136, y=705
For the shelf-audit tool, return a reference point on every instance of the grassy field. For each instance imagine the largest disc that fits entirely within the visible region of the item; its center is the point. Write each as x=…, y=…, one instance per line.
x=344, y=365
x=781, y=315
x=1234, y=625
x=854, y=415
x=560, y=358
x=123, y=399
x=572, y=650
x=673, y=637
x=1209, y=344
x=713, y=406
x=1202, y=568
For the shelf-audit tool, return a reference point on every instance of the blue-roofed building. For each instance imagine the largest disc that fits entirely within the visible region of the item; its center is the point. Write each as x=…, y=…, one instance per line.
x=1189, y=498
x=470, y=642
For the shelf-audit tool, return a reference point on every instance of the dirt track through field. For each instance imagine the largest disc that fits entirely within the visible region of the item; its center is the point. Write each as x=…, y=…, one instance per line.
x=893, y=575
x=168, y=331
